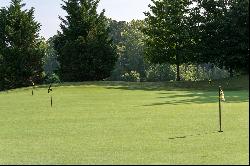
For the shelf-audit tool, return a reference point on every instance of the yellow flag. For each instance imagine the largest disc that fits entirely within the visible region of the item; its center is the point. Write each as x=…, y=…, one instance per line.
x=209, y=81
x=222, y=96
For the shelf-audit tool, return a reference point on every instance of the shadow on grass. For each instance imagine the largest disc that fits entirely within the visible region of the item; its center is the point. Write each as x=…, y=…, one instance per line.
x=193, y=92
x=194, y=135
x=232, y=84
x=200, y=95
x=235, y=83
x=199, y=98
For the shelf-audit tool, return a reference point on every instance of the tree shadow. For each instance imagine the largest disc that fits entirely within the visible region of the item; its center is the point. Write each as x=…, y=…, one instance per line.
x=198, y=98
x=194, y=135
x=241, y=83
x=193, y=92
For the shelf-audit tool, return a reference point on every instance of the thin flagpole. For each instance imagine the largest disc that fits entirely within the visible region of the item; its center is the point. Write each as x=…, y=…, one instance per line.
x=51, y=102
x=220, y=108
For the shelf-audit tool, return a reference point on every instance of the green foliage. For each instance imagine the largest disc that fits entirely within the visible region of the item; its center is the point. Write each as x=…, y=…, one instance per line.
x=116, y=29
x=51, y=64
x=85, y=50
x=224, y=33
x=130, y=48
x=199, y=31
x=133, y=76
x=201, y=72
x=188, y=72
x=160, y=72
x=21, y=49
x=129, y=42
x=168, y=33
x=51, y=78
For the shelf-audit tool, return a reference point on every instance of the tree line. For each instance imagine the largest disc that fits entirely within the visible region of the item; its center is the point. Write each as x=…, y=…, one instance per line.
x=198, y=31
x=178, y=40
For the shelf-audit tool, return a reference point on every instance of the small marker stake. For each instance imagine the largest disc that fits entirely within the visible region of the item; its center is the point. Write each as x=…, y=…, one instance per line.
x=33, y=84
x=50, y=90
x=51, y=102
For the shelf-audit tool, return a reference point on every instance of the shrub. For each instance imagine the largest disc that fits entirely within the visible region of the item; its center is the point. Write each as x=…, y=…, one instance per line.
x=133, y=76
x=52, y=78
x=160, y=72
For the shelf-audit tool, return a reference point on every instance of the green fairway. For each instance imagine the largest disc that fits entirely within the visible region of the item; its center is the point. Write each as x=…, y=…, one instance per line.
x=101, y=123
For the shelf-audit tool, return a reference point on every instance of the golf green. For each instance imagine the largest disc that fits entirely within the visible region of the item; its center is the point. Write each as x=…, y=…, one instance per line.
x=119, y=124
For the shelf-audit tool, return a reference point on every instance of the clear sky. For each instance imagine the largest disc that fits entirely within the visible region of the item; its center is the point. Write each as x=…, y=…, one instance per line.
x=47, y=11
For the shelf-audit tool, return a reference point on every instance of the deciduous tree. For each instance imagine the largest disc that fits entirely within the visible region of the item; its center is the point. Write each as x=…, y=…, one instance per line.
x=168, y=33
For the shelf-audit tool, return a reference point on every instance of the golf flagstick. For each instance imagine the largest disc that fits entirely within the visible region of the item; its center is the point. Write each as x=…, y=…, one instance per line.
x=51, y=102
x=33, y=86
x=221, y=98
x=50, y=90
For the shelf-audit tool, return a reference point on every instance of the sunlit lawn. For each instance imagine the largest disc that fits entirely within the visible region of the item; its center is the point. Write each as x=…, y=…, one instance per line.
x=101, y=124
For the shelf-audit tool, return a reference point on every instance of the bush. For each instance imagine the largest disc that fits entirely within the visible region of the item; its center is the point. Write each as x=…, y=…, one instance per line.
x=201, y=72
x=52, y=78
x=160, y=72
x=133, y=76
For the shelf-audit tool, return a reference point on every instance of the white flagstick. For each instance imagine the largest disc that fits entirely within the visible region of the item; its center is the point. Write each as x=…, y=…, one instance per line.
x=221, y=98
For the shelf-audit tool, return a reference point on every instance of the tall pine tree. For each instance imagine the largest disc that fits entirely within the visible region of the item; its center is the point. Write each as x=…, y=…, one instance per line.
x=20, y=47
x=85, y=50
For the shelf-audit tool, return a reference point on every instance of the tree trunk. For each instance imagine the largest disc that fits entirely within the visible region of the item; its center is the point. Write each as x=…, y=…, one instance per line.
x=178, y=78
x=231, y=72
x=197, y=71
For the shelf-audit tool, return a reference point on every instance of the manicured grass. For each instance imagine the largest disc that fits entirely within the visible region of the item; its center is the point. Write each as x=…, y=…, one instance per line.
x=120, y=123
